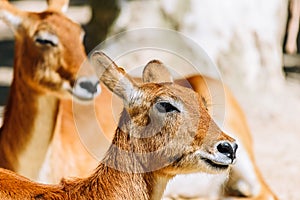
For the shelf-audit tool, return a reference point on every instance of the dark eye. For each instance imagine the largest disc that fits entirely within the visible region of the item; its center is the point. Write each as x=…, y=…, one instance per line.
x=165, y=107
x=46, y=38
x=45, y=42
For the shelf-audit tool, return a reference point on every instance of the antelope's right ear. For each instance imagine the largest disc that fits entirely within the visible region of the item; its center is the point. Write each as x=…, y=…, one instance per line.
x=113, y=77
x=156, y=72
x=12, y=16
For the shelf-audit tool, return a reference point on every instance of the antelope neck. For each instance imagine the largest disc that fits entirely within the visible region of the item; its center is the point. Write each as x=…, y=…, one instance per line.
x=118, y=176
x=29, y=123
x=109, y=183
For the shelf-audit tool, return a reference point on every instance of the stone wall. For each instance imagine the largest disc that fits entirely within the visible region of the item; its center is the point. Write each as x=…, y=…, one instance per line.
x=244, y=38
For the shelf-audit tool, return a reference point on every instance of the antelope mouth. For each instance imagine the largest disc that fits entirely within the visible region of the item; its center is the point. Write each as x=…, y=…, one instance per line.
x=82, y=98
x=215, y=164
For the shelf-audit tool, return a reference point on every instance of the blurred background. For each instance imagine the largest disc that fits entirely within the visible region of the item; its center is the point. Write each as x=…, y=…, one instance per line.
x=255, y=45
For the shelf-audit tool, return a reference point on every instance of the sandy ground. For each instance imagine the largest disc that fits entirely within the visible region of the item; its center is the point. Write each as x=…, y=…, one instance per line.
x=273, y=117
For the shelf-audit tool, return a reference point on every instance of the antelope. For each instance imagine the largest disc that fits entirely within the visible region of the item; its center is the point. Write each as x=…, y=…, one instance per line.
x=164, y=130
x=244, y=179
x=45, y=65
x=61, y=153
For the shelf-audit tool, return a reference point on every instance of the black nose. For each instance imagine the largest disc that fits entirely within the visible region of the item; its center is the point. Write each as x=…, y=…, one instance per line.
x=89, y=86
x=228, y=149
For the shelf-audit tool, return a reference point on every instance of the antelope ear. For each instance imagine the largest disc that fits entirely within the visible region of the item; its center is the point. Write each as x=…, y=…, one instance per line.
x=58, y=5
x=113, y=77
x=12, y=16
x=156, y=72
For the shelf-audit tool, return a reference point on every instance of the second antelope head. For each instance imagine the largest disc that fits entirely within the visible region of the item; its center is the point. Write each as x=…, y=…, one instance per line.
x=48, y=50
x=163, y=127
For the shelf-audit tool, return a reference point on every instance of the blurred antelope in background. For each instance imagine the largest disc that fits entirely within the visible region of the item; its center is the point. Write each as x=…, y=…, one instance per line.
x=46, y=62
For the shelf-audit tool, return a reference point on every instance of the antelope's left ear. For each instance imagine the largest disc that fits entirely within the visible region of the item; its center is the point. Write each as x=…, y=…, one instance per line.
x=58, y=5
x=113, y=77
x=156, y=72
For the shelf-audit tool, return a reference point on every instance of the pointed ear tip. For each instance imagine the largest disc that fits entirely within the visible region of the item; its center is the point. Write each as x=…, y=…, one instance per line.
x=155, y=61
x=97, y=54
x=156, y=71
x=100, y=58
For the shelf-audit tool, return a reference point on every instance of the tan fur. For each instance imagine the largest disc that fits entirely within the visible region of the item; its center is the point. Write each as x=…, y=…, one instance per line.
x=127, y=171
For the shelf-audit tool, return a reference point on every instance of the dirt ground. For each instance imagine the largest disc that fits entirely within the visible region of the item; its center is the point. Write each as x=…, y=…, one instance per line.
x=273, y=117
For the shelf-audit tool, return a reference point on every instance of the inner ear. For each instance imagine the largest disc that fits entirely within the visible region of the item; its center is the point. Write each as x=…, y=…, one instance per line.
x=156, y=72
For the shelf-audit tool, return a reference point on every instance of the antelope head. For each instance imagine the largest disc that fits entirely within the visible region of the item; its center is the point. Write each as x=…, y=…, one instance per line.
x=49, y=50
x=164, y=127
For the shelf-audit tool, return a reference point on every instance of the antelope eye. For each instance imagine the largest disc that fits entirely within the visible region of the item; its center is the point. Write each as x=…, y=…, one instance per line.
x=166, y=107
x=46, y=38
x=45, y=42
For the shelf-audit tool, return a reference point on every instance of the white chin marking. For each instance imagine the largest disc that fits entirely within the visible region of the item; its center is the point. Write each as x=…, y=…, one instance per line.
x=66, y=86
x=81, y=93
x=86, y=88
